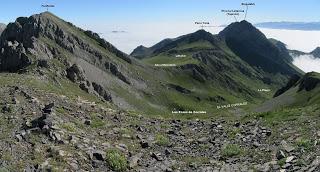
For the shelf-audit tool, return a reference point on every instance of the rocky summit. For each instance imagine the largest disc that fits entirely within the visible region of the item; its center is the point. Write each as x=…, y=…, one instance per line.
x=316, y=52
x=71, y=101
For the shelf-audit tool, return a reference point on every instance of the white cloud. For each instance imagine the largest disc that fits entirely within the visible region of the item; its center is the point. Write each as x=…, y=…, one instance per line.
x=307, y=63
x=305, y=41
x=146, y=34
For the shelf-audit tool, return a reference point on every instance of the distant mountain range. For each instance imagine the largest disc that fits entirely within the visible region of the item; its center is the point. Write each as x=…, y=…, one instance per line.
x=290, y=25
x=315, y=53
x=209, y=70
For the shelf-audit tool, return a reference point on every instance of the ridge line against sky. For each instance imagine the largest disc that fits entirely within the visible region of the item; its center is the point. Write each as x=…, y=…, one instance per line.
x=147, y=22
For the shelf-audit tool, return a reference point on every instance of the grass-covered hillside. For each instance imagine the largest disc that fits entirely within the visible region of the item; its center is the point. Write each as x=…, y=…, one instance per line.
x=300, y=93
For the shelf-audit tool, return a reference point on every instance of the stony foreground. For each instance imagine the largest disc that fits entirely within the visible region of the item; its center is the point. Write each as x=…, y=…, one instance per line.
x=45, y=130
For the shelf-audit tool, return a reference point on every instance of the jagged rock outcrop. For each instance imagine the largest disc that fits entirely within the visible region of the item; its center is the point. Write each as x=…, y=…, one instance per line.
x=38, y=32
x=75, y=73
x=309, y=81
x=19, y=42
x=13, y=56
x=2, y=27
x=115, y=71
x=293, y=80
x=102, y=92
x=179, y=88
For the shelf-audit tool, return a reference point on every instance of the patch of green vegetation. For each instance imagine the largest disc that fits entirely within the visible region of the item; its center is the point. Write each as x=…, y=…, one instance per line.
x=6, y=156
x=300, y=162
x=61, y=110
x=126, y=133
x=170, y=59
x=116, y=160
x=140, y=103
x=162, y=140
x=69, y=126
x=281, y=162
x=204, y=147
x=306, y=144
x=276, y=117
x=38, y=158
x=96, y=121
x=79, y=124
x=34, y=139
x=231, y=150
x=233, y=132
x=181, y=49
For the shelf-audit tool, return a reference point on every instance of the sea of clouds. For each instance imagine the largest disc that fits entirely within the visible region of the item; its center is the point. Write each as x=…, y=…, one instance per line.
x=305, y=41
x=307, y=63
x=148, y=34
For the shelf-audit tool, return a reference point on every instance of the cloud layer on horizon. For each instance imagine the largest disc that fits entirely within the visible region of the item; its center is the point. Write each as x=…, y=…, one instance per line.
x=307, y=63
x=305, y=41
x=148, y=34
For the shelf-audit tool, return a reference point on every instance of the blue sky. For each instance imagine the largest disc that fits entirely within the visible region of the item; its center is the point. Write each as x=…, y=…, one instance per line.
x=136, y=11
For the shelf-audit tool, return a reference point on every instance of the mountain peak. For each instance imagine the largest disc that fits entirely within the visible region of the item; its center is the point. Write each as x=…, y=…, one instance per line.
x=201, y=31
x=243, y=28
x=32, y=34
x=199, y=34
x=252, y=46
x=316, y=52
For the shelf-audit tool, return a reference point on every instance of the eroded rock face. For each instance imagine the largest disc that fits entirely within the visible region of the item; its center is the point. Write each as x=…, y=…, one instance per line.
x=179, y=88
x=75, y=73
x=308, y=83
x=101, y=91
x=13, y=57
x=19, y=42
x=115, y=71
x=293, y=80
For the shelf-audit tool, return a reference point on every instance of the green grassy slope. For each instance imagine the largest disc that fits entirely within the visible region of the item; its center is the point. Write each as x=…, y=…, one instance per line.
x=305, y=92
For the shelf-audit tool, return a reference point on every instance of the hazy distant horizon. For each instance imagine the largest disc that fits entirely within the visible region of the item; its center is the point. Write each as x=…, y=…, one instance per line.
x=148, y=35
